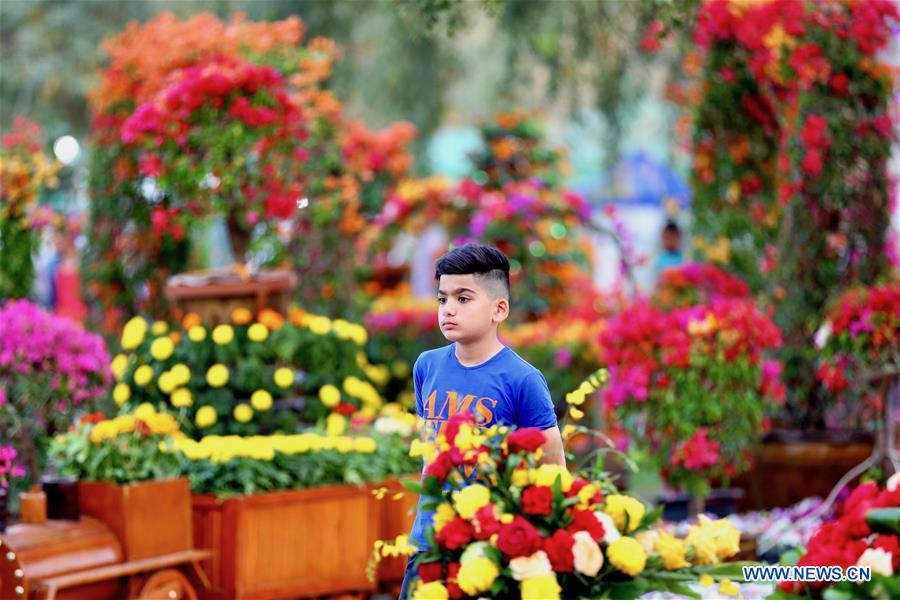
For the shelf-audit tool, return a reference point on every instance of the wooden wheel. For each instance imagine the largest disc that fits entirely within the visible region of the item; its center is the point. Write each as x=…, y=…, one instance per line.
x=168, y=584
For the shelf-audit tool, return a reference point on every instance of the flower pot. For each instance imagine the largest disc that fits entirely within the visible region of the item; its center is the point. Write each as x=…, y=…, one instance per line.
x=791, y=465
x=33, y=506
x=149, y=518
x=62, y=497
x=723, y=502
x=289, y=543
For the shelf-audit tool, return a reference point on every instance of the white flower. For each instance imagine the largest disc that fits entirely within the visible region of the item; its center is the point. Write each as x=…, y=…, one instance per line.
x=390, y=426
x=894, y=482
x=877, y=559
x=526, y=567
x=822, y=335
x=609, y=527
x=587, y=554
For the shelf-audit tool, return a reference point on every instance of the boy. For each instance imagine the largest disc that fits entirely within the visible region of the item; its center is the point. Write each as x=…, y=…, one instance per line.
x=477, y=373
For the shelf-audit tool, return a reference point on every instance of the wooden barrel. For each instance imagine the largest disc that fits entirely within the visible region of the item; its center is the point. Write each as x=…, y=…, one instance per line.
x=30, y=553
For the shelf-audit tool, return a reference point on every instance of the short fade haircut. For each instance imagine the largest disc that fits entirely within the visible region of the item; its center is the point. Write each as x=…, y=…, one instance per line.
x=485, y=263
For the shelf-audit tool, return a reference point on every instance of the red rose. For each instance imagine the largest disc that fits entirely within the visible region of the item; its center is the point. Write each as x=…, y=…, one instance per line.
x=439, y=467
x=518, y=538
x=537, y=500
x=528, y=439
x=431, y=571
x=452, y=584
x=455, y=534
x=486, y=523
x=584, y=520
x=559, y=549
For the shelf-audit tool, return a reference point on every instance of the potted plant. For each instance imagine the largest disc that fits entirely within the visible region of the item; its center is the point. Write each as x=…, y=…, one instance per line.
x=255, y=496
x=9, y=469
x=126, y=480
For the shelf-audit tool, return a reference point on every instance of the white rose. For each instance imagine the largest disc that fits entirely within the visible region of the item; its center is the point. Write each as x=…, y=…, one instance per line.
x=648, y=539
x=894, y=482
x=526, y=567
x=611, y=533
x=587, y=554
x=877, y=559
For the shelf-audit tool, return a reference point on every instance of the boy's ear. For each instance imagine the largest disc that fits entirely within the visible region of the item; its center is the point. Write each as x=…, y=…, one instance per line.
x=501, y=310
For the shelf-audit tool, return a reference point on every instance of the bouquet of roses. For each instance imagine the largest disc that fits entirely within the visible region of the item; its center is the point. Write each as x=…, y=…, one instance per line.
x=535, y=530
x=867, y=534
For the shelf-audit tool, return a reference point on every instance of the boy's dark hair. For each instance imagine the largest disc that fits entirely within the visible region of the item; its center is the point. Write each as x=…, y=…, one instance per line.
x=672, y=227
x=484, y=262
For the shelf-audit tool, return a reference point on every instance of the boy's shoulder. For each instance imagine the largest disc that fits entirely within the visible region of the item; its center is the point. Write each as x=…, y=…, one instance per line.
x=522, y=366
x=429, y=357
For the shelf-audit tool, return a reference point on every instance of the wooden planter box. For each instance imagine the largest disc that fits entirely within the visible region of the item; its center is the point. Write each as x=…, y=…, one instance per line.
x=149, y=518
x=397, y=517
x=215, y=294
x=288, y=544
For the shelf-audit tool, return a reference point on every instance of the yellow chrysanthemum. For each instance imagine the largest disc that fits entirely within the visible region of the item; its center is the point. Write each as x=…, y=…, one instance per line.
x=257, y=332
x=144, y=411
x=181, y=398
x=242, y=413
x=261, y=400
x=134, y=332
x=217, y=375
x=329, y=395
x=627, y=555
x=119, y=365
x=223, y=334
x=159, y=328
x=205, y=417
x=319, y=325
x=335, y=424
x=197, y=333
x=121, y=393
x=180, y=373
x=167, y=382
x=143, y=375
x=284, y=377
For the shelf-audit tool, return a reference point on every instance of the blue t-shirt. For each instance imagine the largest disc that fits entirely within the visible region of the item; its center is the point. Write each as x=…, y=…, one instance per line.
x=502, y=390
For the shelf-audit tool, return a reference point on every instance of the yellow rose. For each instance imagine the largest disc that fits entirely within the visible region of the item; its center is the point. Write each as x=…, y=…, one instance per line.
x=144, y=411
x=118, y=365
x=217, y=375
x=520, y=478
x=672, y=551
x=261, y=400
x=167, y=382
x=143, y=375
x=242, y=413
x=284, y=377
x=477, y=575
x=433, y=590
x=181, y=398
x=319, y=325
x=197, y=333
x=543, y=587
x=223, y=334
x=121, y=393
x=713, y=540
x=180, y=373
x=159, y=328
x=335, y=424
x=329, y=395
x=470, y=499
x=626, y=511
x=258, y=332
x=443, y=514
x=627, y=555
x=205, y=417
x=547, y=474
x=134, y=332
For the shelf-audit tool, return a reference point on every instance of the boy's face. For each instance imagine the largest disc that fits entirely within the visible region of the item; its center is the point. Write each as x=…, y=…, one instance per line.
x=671, y=241
x=467, y=310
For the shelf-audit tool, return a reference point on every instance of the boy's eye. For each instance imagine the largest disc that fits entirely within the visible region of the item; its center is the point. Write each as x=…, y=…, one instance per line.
x=441, y=300
x=463, y=299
